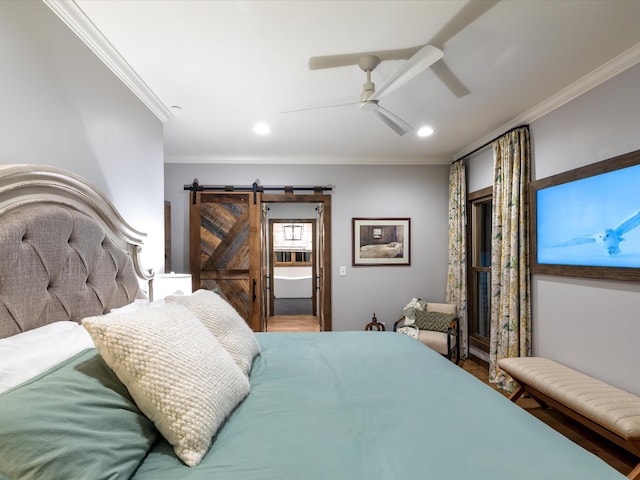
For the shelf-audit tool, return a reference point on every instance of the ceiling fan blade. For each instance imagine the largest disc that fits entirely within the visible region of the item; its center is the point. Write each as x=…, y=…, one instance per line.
x=391, y=120
x=419, y=62
x=467, y=15
x=321, y=107
x=333, y=61
x=446, y=76
x=396, y=123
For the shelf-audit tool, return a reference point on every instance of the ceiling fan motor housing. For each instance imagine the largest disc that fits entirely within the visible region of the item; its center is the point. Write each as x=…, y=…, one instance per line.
x=367, y=90
x=368, y=62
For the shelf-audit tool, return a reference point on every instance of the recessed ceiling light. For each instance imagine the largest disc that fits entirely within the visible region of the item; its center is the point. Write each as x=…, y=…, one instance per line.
x=261, y=128
x=425, y=131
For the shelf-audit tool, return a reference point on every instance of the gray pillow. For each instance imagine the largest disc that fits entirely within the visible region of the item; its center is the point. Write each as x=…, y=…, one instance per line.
x=436, y=321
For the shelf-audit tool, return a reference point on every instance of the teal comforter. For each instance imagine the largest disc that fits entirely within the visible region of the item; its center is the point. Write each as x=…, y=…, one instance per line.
x=368, y=405
x=325, y=406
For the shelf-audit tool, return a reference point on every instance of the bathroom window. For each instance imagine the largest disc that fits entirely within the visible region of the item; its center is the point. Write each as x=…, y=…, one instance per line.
x=292, y=259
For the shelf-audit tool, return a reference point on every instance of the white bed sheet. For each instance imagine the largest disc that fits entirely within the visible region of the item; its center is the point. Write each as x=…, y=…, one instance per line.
x=30, y=353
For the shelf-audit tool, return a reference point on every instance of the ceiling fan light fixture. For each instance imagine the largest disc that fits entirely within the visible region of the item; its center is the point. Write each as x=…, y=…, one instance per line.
x=425, y=131
x=261, y=128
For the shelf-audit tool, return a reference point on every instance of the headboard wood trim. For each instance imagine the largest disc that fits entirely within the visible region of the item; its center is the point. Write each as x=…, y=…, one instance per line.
x=26, y=184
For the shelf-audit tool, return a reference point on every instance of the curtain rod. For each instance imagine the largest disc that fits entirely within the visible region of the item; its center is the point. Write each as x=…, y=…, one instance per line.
x=489, y=142
x=255, y=188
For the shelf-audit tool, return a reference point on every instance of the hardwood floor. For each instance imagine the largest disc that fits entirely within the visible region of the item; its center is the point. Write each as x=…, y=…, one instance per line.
x=609, y=452
x=293, y=323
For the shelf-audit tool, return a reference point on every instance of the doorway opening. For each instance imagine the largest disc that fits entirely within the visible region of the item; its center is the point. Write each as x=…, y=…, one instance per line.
x=296, y=263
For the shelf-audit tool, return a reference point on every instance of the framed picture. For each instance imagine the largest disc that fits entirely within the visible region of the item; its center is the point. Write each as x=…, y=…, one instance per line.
x=586, y=222
x=381, y=241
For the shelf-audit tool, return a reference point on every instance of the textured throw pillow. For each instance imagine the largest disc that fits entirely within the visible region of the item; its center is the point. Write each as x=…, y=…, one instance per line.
x=435, y=321
x=225, y=323
x=177, y=372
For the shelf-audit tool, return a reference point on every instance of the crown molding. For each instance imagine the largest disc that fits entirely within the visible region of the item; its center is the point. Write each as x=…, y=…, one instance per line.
x=73, y=16
x=306, y=160
x=614, y=67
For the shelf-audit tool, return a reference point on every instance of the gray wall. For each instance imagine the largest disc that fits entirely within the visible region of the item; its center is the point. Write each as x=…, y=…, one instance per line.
x=418, y=192
x=591, y=325
x=63, y=107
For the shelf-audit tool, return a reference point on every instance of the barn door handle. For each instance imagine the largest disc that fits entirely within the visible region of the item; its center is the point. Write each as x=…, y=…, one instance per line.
x=254, y=289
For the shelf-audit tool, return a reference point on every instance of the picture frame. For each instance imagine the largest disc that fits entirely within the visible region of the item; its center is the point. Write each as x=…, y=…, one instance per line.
x=586, y=222
x=381, y=241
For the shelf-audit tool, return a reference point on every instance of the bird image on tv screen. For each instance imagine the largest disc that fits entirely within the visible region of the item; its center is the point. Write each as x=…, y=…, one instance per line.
x=608, y=238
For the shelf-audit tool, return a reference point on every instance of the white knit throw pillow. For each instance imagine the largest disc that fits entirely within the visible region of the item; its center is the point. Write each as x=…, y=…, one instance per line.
x=225, y=323
x=176, y=371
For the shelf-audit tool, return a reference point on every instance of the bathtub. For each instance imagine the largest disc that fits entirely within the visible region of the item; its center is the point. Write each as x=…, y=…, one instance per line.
x=292, y=282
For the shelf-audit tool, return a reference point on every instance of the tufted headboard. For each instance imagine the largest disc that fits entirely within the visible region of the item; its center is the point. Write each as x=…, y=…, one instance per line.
x=65, y=252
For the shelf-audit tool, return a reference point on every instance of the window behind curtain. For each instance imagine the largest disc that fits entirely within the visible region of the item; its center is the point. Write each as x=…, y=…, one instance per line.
x=479, y=230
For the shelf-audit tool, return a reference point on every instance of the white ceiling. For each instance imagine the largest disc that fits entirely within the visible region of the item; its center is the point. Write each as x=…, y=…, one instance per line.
x=230, y=64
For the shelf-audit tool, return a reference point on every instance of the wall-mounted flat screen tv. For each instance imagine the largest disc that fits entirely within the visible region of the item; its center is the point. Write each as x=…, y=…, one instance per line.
x=586, y=222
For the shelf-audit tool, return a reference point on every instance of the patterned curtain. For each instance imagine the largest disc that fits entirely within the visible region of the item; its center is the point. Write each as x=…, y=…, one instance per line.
x=457, y=276
x=510, y=288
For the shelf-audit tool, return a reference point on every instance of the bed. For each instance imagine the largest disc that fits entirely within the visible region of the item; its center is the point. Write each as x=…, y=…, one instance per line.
x=381, y=250
x=339, y=405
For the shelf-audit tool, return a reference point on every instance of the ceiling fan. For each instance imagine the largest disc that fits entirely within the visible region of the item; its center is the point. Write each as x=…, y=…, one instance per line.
x=465, y=16
x=418, y=59
x=421, y=59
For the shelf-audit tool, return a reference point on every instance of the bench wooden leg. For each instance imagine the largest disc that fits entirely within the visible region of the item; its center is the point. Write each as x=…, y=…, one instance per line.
x=520, y=390
x=542, y=403
x=517, y=393
x=635, y=473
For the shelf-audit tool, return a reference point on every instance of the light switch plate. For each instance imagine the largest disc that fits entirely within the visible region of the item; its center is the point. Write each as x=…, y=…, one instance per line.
x=343, y=271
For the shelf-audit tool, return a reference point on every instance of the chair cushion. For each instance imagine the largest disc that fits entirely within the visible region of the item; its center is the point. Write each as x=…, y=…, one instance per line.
x=434, y=340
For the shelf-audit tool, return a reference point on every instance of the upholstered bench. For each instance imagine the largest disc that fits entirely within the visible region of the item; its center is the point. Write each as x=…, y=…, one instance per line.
x=609, y=411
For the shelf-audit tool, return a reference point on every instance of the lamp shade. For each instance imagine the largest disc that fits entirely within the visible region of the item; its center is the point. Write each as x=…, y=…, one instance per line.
x=165, y=284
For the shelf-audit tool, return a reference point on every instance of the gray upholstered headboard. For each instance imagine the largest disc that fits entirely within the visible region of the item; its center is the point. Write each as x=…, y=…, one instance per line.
x=65, y=252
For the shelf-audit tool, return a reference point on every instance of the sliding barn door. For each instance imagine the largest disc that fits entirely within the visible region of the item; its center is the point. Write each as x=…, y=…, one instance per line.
x=224, y=249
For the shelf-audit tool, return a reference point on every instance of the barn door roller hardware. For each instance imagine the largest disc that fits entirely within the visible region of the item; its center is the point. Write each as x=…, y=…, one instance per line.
x=255, y=188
